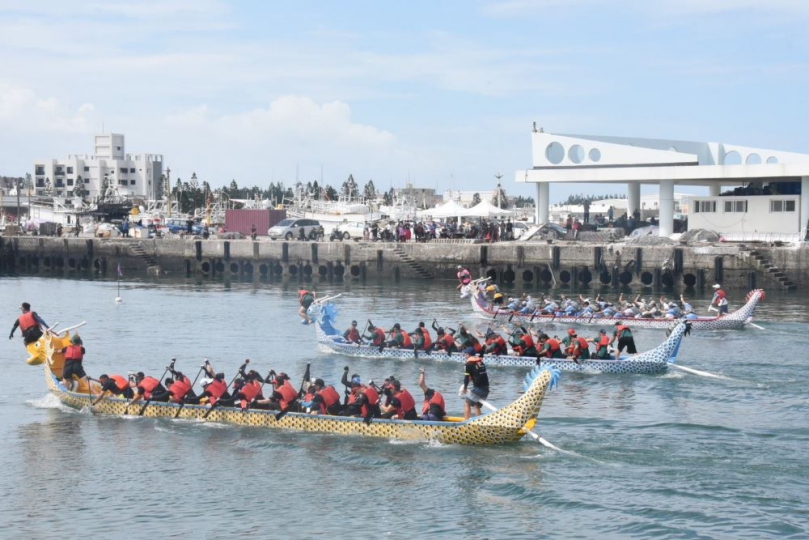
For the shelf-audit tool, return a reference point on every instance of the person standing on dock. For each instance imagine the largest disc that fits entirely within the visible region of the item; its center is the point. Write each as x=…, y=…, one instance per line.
x=30, y=324
x=720, y=299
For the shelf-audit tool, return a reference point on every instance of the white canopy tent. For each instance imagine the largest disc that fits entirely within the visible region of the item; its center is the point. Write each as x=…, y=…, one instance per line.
x=485, y=209
x=446, y=210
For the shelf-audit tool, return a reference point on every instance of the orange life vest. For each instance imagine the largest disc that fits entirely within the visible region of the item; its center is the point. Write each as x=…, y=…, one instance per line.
x=528, y=341
x=446, y=342
x=406, y=341
x=302, y=295
x=216, y=390
x=406, y=403
x=148, y=384
x=379, y=336
x=120, y=382
x=288, y=394
x=27, y=321
x=353, y=335
x=620, y=330
x=554, y=346
x=372, y=396
x=437, y=399
x=179, y=389
x=330, y=396
x=74, y=353
x=427, y=339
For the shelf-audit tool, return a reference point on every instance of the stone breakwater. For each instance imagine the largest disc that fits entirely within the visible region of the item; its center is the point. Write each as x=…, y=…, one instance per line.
x=531, y=263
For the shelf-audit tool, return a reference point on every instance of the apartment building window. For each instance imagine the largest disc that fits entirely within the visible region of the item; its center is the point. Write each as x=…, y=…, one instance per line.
x=121, y=182
x=123, y=171
x=704, y=206
x=131, y=182
x=86, y=169
x=40, y=182
x=70, y=170
x=735, y=206
x=132, y=169
x=86, y=180
x=69, y=181
x=39, y=169
x=782, y=206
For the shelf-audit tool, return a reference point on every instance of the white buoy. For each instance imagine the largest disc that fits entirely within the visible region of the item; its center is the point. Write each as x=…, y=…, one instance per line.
x=118, y=300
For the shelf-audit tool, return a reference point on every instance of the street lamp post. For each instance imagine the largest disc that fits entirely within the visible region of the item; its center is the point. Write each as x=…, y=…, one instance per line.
x=498, y=176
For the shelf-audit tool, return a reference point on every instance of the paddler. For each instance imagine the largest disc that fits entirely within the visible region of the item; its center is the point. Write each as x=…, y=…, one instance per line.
x=30, y=324
x=495, y=344
x=377, y=336
x=352, y=335
x=144, y=387
x=326, y=400
x=551, y=347
x=284, y=396
x=579, y=347
x=602, y=342
x=400, y=339
x=434, y=407
x=466, y=340
x=426, y=337
x=720, y=299
x=305, y=297
x=175, y=390
x=474, y=372
x=116, y=385
x=402, y=405
x=522, y=342
x=214, y=388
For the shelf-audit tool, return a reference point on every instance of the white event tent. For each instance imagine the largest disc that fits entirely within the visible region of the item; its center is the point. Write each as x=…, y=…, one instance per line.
x=446, y=210
x=484, y=209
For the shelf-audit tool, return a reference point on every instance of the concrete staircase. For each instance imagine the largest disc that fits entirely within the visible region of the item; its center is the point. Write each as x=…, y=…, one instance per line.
x=419, y=270
x=138, y=251
x=760, y=262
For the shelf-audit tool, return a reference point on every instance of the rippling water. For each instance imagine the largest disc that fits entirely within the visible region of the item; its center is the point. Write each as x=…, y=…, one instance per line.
x=644, y=456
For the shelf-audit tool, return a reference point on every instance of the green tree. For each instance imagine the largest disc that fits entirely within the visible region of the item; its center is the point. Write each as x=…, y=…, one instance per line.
x=503, y=202
x=475, y=199
x=369, y=191
x=331, y=193
x=79, y=190
x=387, y=200
x=350, y=188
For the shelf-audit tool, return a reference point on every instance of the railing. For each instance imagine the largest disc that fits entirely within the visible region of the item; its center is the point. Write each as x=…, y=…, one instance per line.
x=760, y=237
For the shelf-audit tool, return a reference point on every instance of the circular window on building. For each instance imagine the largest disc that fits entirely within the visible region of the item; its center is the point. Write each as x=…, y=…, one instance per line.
x=576, y=153
x=555, y=153
x=595, y=155
x=772, y=160
x=753, y=159
x=732, y=158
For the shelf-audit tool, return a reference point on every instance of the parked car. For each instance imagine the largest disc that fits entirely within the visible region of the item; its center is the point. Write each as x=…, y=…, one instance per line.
x=352, y=229
x=291, y=228
x=178, y=225
x=519, y=228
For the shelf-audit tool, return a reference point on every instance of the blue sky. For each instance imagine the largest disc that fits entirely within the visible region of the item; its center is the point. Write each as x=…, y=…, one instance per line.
x=442, y=93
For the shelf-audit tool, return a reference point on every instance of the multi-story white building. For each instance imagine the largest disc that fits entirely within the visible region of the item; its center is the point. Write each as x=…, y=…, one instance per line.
x=129, y=175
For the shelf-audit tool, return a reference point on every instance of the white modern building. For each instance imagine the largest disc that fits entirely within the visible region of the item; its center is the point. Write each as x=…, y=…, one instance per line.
x=770, y=189
x=133, y=175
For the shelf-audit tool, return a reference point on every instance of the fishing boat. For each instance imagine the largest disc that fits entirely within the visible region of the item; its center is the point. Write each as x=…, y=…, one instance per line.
x=508, y=424
x=657, y=360
x=732, y=321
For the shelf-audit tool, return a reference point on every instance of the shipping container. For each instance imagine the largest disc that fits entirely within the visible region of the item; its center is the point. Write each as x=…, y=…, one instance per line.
x=243, y=220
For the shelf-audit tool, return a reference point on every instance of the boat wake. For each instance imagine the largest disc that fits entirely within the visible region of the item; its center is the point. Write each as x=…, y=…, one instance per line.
x=50, y=401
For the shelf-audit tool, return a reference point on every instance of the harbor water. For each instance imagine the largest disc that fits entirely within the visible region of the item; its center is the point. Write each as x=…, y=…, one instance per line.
x=669, y=456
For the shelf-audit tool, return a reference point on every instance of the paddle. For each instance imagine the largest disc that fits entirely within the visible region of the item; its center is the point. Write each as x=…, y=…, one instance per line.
x=696, y=371
x=182, y=403
x=143, y=409
x=305, y=379
x=240, y=372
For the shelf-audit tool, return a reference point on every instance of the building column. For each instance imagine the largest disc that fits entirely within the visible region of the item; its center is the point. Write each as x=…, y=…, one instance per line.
x=804, y=205
x=714, y=190
x=633, y=199
x=544, y=202
x=666, y=207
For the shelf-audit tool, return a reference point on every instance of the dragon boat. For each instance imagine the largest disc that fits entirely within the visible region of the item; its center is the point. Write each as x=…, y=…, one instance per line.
x=732, y=321
x=506, y=425
x=654, y=361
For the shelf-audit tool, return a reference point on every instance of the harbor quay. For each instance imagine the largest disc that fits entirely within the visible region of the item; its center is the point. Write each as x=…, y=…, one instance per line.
x=531, y=264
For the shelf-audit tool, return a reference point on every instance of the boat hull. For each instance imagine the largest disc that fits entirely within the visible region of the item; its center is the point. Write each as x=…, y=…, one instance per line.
x=732, y=321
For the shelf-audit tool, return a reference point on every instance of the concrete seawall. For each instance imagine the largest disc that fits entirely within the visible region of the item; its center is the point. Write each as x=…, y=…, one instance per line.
x=538, y=264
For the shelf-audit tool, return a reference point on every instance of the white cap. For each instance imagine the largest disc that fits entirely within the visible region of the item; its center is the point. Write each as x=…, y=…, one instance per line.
x=205, y=380
x=717, y=286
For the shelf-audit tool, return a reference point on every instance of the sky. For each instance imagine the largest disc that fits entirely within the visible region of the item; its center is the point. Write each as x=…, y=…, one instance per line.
x=440, y=94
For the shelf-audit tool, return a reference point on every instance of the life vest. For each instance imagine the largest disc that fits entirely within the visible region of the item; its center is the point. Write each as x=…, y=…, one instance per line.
x=329, y=396
x=406, y=403
x=583, y=344
x=620, y=331
x=179, y=389
x=499, y=343
x=288, y=394
x=552, y=347
x=353, y=335
x=148, y=384
x=216, y=390
x=120, y=382
x=406, y=341
x=603, y=344
x=427, y=339
x=372, y=396
x=27, y=321
x=74, y=353
x=528, y=341
x=250, y=391
x=302, y=295
x=446, y=342
x=379, y=336
x=437, y=399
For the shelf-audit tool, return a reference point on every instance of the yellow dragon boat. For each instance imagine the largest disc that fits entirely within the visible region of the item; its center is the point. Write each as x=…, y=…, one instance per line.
x=508, y=424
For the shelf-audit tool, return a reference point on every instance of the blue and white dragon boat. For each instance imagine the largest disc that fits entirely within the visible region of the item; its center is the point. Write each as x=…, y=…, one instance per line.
x=655, y=361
